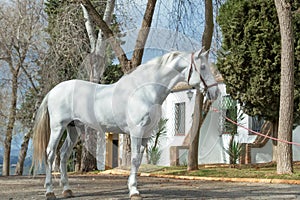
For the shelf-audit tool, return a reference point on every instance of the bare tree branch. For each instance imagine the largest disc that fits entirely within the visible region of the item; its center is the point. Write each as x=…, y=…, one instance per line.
x=89, y=28
x=209, y=25
x=30, y=79
x=108, y=34
x=101, y=43
x=19, y=45
x=143, y=33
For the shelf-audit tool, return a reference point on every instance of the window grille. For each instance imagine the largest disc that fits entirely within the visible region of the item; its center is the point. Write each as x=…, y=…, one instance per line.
x=255, y=124
x=229, y=107
x=180, y=118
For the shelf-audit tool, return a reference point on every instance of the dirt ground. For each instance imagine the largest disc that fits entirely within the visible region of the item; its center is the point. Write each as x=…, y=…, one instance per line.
x=104, y=186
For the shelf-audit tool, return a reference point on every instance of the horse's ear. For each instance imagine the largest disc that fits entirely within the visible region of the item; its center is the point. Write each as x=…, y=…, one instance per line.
x=198, y=53
x=202, y=52
x=205, y=54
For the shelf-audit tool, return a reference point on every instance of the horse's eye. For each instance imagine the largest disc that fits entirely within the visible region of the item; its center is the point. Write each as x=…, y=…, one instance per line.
x=202, y=67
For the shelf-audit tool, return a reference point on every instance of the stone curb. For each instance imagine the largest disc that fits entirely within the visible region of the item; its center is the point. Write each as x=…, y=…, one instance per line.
x=247, y=180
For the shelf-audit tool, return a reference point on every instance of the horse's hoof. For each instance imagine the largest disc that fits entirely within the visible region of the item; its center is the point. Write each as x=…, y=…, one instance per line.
x=136, y=197
x=50, y=196
x=68, y=194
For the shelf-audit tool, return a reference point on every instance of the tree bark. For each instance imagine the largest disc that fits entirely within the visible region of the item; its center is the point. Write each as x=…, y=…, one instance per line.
x=23, y=153
x=143, y=34
x=126, y=153
x=88, y=155
x=284, y=154
x=275, y=143
x=11, y=121
x=88, y=161
x=198, y=120
x=126, y=64
x=194, y=133
x=88, y=152
x=78, y=152
x=27, y=136
x=115, y=44
x=201, y=110
x=209, y=25
x=95, y=62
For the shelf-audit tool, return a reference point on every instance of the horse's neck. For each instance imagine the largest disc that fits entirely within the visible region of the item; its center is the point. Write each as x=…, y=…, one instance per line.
x=174, y=72
x=165, y=76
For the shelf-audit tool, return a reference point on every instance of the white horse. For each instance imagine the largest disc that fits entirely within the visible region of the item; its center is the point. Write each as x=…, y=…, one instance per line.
x=131, y=106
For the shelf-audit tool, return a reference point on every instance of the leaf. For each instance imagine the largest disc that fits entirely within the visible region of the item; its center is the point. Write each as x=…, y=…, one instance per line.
x=251, y=71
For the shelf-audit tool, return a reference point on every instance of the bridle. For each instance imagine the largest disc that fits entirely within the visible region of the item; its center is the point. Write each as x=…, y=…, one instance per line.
x=193, y=66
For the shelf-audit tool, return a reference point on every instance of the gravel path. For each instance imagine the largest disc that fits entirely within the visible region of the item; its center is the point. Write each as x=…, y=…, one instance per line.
x=104, y=186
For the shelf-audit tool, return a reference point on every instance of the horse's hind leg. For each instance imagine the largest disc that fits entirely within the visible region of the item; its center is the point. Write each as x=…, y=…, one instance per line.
x=65, y=153
x=56, y=133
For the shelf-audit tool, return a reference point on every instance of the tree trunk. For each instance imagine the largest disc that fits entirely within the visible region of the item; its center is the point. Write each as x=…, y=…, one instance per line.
x=126, y=153
x=284, y=161
x=78, y=152
x=108, y=33
x=136, y=61
x=11, y=123
x=88, y=161
x=194, y=133
x=143, y=34
x=275, y=143
x=209, y=25
x=126, y=64
x=88, y=155
x=23, y=153
x=27, y=136
x=197, y=121
x=95, y=63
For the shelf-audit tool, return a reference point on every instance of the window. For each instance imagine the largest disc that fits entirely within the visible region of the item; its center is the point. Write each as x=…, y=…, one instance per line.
x=255, y=124
x=180, y=118
x=229, y=107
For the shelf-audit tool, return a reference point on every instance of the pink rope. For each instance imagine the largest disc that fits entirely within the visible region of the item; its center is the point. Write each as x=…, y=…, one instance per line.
x=257, y=133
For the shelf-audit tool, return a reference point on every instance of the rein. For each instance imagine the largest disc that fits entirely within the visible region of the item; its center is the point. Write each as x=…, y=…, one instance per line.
x=193, y=65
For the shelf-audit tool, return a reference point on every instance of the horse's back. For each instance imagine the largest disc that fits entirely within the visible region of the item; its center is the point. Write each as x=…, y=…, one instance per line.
x=66, y=96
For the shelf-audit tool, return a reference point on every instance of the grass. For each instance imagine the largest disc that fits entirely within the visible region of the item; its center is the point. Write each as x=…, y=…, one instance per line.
x=263, y=171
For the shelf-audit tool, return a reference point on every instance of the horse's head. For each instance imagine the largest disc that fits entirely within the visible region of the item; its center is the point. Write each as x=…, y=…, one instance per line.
x=200, y=75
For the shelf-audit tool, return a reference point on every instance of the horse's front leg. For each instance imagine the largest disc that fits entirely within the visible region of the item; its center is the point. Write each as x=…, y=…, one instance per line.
x=136, y=158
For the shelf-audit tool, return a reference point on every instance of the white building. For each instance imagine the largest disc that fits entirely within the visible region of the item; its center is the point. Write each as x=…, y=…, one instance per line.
x=178, y=109
x=213, y=141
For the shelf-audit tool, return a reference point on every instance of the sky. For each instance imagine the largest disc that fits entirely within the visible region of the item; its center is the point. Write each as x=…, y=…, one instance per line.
x=167, y=32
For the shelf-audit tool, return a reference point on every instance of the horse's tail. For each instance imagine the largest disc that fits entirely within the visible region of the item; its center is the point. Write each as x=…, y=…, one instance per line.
x=41, y=133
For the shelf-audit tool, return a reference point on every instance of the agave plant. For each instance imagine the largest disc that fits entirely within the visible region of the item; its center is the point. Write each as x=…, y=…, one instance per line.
x=235, y=149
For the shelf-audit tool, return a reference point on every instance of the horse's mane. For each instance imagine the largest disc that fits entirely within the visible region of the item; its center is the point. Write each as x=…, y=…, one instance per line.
x=161, y=61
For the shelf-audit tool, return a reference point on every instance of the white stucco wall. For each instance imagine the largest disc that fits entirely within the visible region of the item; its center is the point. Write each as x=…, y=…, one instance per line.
x=168, y=113
x=212, y=142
